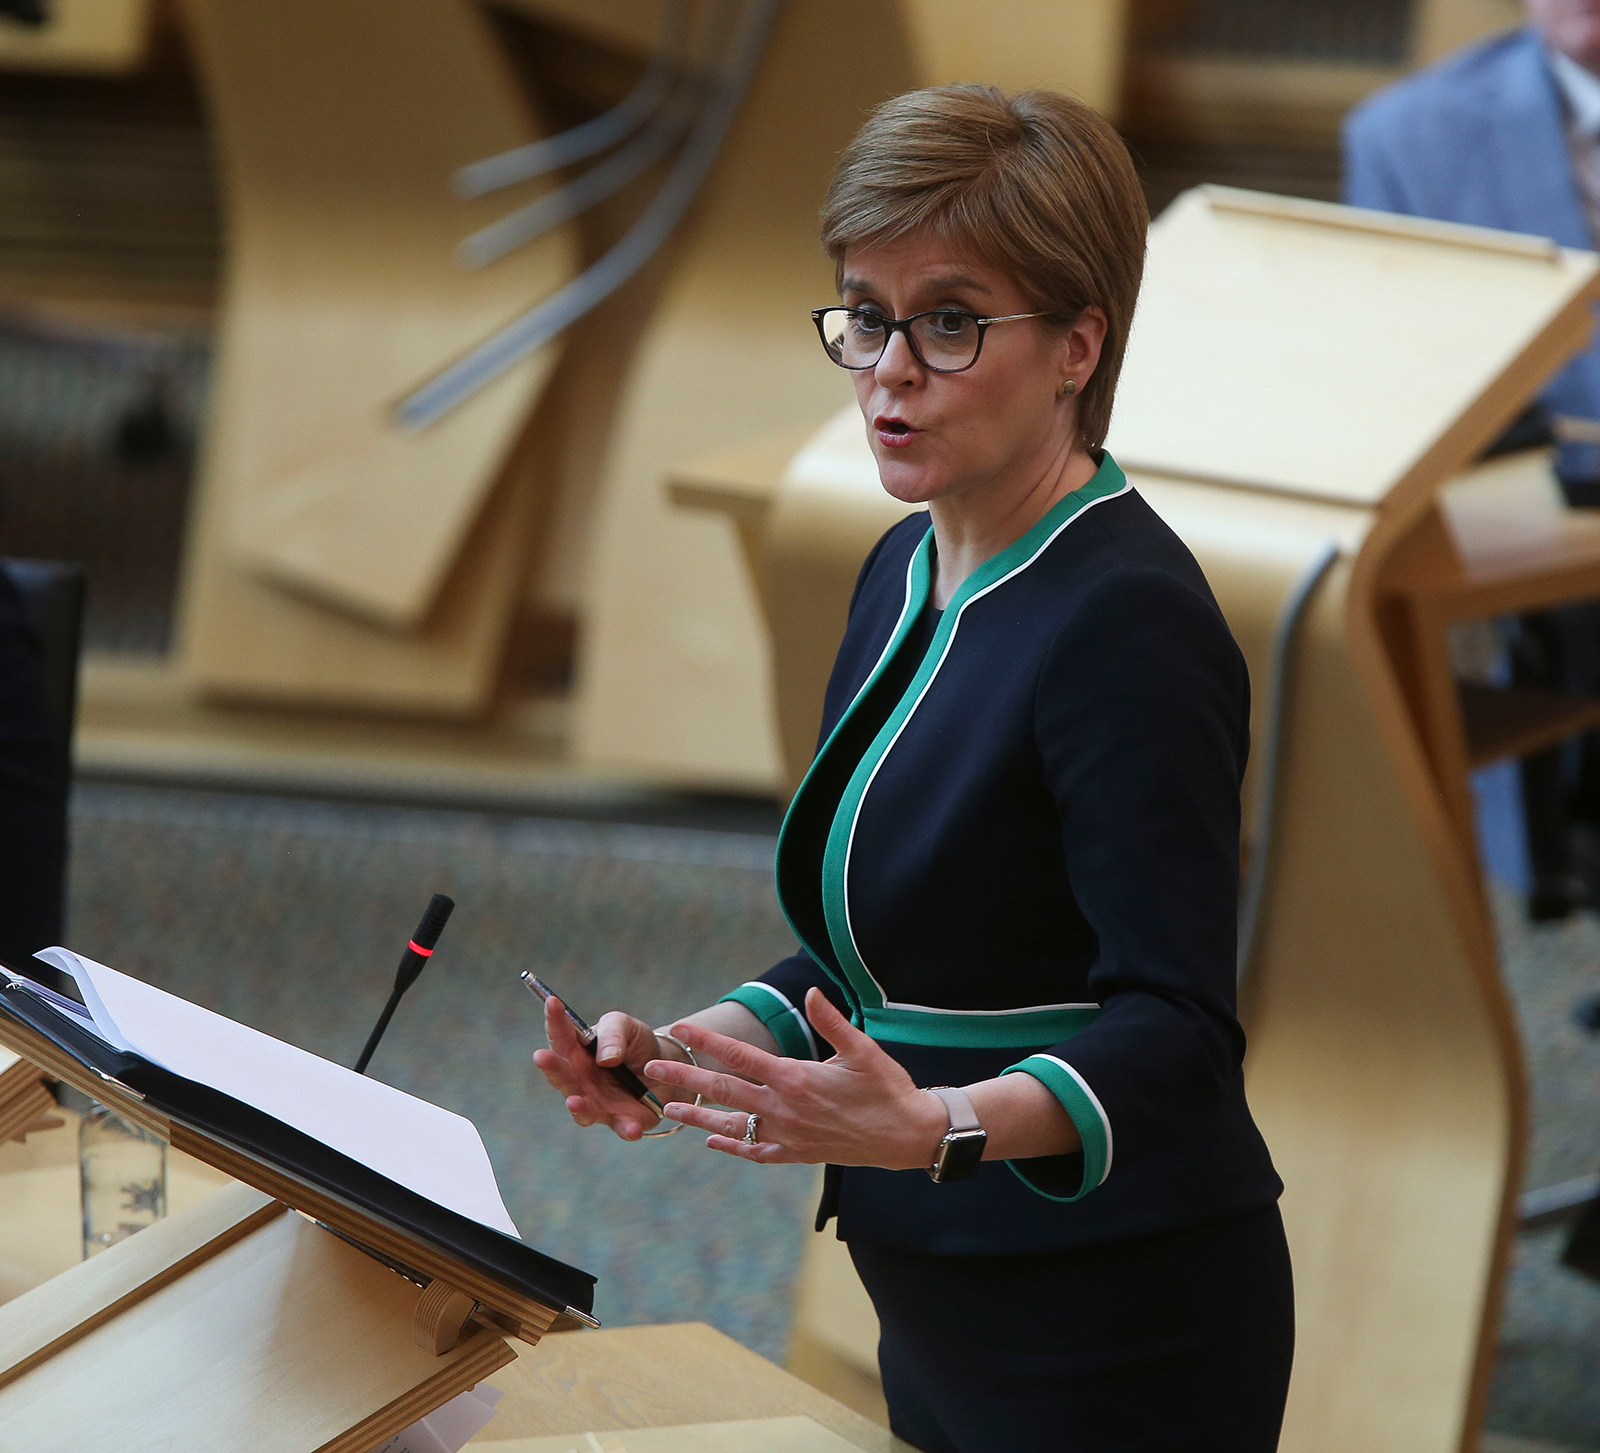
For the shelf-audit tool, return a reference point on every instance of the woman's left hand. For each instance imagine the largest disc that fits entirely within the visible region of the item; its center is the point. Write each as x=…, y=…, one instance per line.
x=859, y=1108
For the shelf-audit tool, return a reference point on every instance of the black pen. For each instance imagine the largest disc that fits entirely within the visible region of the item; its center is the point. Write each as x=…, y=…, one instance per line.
x=586, y=1037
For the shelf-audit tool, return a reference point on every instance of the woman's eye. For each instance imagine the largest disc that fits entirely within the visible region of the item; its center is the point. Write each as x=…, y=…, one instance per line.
x=866, y=325
x=952, y=324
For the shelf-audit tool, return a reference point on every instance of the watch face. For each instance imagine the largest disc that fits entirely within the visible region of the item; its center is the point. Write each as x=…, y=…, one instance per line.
x=960, y=1154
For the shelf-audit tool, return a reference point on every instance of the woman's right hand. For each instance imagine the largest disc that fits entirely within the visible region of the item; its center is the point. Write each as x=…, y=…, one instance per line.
x=593, y=1097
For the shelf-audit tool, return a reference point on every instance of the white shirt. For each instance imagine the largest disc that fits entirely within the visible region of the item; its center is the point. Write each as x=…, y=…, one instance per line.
x=1580, y=93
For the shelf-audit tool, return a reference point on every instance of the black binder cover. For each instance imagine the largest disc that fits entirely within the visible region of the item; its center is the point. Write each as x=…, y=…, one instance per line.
x=511, y=1262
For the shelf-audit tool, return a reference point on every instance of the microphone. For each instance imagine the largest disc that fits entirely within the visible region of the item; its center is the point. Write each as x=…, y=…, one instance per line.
x=412, y=962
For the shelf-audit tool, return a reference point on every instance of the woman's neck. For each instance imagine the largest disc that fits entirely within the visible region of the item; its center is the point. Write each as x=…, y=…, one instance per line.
x=979, y=523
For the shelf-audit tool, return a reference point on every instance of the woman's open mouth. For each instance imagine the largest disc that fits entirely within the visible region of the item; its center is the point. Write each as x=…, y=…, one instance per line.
x=894, y=433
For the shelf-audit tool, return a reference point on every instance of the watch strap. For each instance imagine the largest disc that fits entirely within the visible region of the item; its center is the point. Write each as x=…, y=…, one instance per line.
x=958, y=1105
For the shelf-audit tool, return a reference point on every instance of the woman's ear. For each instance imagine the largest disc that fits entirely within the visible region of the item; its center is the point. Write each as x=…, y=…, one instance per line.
x=1080, y=350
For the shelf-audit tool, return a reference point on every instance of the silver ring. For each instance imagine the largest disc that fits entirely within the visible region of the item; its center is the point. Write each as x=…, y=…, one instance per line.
x=750, y=1129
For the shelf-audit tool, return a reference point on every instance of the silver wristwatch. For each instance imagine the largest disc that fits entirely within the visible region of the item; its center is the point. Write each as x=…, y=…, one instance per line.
x=961, y=1150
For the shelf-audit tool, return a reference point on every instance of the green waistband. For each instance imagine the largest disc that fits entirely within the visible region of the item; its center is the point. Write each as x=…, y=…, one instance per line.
x=1018, y=1029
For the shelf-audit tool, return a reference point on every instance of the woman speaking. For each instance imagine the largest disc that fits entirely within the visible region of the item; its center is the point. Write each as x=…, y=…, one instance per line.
x=1009, y=1031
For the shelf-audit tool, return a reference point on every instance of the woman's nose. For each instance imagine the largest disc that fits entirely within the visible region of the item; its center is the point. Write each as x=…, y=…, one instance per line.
x=899, y=365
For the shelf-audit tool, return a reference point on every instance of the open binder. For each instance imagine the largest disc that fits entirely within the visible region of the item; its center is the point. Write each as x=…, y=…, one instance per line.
x=373, y=1354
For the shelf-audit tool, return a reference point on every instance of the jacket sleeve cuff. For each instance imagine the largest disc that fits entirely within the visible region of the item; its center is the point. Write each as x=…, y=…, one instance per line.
x=1067, y=1177
x=774, y=1009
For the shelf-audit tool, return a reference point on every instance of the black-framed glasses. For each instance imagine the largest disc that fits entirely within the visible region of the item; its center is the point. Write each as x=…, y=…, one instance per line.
x=946, y=340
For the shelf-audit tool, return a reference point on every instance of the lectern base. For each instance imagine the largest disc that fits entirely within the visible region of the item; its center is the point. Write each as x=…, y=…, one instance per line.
x=230, y=1317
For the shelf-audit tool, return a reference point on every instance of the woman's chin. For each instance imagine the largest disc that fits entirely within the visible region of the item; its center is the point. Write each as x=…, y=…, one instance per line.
x=909, y=483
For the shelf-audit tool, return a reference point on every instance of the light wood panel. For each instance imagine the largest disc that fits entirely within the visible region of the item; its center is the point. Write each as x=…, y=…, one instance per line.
x=834, y=1345
x=24, y=1100
x=632, y=25
x=139, y=721
x=36, y=1326
x=770, y=1435
x=1245, y=99
x=287, y=1329
x=108, y=36
x=321, y=531
x=828, y=514
x=1381, y=315
x=653, y=1377
x=511, y=1311
x=806, y=517
x=1379, y=1068
x=1234, y=100
x=1440, y=27
x=41, y=1208
x=1077, y=47
x=506, y=1308
x=672, y=658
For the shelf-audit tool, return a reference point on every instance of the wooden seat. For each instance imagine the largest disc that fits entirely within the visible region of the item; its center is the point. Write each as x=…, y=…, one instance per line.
x=333, y=558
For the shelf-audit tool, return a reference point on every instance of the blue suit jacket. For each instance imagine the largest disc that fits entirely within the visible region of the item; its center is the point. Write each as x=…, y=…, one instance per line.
x=1480, y=138
x=1018, y=850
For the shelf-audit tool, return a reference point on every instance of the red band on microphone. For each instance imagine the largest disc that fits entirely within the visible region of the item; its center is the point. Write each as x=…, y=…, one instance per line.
x=417, y=948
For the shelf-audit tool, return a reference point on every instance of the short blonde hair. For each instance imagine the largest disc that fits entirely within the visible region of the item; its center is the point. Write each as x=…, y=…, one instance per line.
x=1037, y=185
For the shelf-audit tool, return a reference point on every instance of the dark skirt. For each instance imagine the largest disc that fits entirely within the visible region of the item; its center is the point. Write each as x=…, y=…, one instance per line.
x=1174, y=1343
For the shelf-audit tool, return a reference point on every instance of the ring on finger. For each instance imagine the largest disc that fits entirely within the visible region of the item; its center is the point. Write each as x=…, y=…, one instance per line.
x=750, y=1129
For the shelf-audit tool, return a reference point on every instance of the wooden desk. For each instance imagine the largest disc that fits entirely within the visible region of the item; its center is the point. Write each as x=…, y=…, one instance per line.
x=571, y=1383
x=1500, y=541
x=656, y=1377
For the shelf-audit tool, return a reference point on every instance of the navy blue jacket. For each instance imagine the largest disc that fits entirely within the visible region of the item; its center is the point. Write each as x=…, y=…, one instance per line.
x=1018, y=850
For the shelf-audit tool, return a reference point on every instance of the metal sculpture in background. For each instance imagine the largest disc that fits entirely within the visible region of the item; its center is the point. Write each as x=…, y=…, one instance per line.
x=647, y=146
x=559, y=311
x=523, y=163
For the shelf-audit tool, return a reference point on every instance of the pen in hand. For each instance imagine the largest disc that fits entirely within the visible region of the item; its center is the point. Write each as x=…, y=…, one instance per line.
x=586, y=1037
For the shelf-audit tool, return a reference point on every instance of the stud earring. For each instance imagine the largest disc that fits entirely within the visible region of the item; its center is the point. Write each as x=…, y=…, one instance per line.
x=1069, y=388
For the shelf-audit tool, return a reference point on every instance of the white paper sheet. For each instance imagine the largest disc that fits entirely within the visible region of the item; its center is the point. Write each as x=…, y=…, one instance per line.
x=432, y=1151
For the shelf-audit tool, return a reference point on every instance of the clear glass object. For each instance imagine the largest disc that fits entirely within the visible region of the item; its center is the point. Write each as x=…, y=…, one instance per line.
x=124, y=1170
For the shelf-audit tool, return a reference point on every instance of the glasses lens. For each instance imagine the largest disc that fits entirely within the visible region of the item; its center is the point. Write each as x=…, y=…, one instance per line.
x=853, y=340
x=946, y=340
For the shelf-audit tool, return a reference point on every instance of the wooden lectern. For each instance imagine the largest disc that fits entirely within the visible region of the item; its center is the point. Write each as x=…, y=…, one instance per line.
x=1304, y=387
x=312, y=1300
x=24, y=1100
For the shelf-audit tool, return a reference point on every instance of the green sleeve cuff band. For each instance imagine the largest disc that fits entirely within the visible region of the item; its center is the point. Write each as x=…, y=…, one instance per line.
x=1088, y=1115
x=772, y=1008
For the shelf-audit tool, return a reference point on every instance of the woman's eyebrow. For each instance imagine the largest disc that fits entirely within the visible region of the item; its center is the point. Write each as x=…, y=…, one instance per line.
x=954, y=282
x=942, y=285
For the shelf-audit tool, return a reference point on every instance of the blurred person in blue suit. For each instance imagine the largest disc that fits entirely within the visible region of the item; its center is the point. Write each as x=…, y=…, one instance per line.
x=1506, y=133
